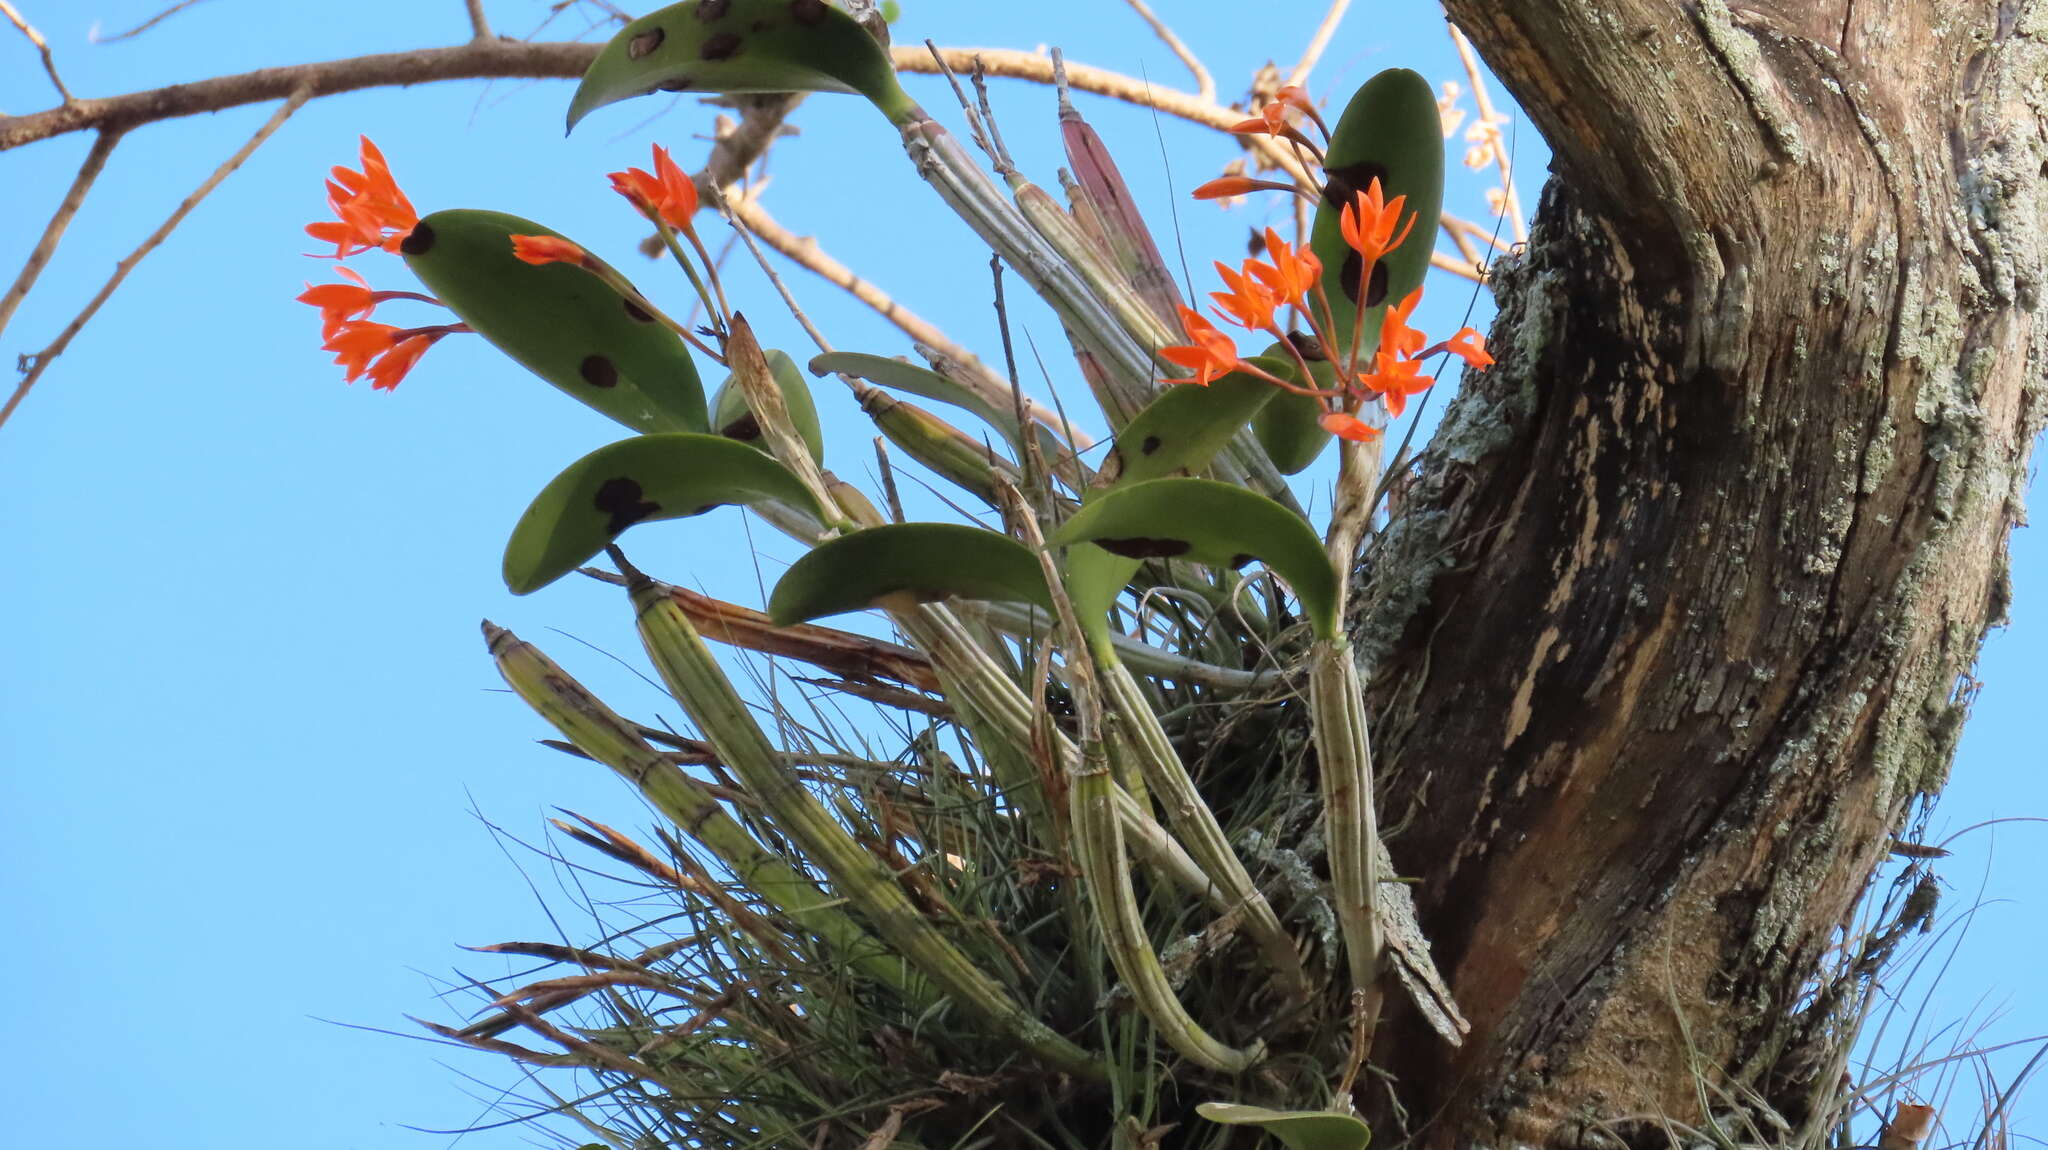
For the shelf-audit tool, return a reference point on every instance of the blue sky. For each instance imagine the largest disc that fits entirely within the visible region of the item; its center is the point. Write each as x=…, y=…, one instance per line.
x=252, y=746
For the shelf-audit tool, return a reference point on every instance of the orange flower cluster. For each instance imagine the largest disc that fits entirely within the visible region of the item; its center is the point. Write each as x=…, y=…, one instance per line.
x=1389, y=373
x=370, y=211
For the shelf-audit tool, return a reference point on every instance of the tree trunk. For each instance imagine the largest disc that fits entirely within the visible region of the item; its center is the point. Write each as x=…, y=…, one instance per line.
x=1678, y=619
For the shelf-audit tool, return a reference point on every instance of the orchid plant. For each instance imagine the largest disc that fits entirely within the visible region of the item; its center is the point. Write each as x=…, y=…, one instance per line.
x=1043, y=644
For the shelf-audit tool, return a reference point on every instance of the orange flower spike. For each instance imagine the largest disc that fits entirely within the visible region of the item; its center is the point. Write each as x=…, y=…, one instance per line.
x=667, y=192
x=1212, y=353
x=370, y=210
x=538, y=250
x=1225, y=187
x=1248, y=303
x=1368, y=223
x=1344, y=425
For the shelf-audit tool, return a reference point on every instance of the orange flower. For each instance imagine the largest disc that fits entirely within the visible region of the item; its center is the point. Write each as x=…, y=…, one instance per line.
x=1394, y=380
x=1271, y=121
x=1467, y=345
x=1368, y=224
x=667, y=192
x=1347, y=426
x=1396, y=337
x=1224, y=187
x=1248, y=303
x=539, y=250
x=1211, y=354
x=1293, y=273
x=370, y=211
x=339, y=303
x=381, y=351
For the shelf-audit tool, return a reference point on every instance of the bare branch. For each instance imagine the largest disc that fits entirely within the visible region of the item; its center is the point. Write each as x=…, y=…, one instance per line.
x=146, y=25
x=477, y=23
x=42, y=47
x=1319, y=41
x=33, y=366
x=95, y=161
x=1205, y=84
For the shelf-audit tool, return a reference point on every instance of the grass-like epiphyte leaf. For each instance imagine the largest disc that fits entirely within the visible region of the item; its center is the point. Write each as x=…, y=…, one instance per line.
x=923, y=560
x=1391, y=130
x=731, y=418
x=637, y=480
x=735, y=46
x=559, y=321
x=1297, y=1129
x=1214, y=523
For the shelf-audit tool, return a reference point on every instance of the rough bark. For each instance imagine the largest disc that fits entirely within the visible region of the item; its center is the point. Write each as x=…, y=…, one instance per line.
x=1679, y=618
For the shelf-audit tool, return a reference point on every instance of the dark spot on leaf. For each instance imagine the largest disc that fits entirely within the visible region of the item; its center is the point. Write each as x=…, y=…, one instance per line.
x=723, y=46
x=639, y=46
x=677, y=84
x=746, y=429
x=598, y=371
x=1342, y=185
x=1376, y=286
x=1150, y=445
x=1237, y=561
x=807, y=11
x=635, y=311
x=417, y=241
x=1140, y=547
x=1308, y=345
x=620, y=499
x=707, y=507
x=709, y=10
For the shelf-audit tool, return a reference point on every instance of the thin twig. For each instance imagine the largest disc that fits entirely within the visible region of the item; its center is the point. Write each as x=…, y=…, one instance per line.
x=1318, y=42
x=1511, y=202
x=146, y=25
x=477, y=23
x=95, y=161
x=42, y=48
x=33, y=366
x=1205, y=84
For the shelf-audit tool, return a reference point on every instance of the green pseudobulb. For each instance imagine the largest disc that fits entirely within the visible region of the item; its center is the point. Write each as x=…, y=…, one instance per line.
x=731, y=417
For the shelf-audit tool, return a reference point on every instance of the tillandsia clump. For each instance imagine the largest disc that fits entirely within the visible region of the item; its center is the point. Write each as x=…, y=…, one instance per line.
x=1122, y=885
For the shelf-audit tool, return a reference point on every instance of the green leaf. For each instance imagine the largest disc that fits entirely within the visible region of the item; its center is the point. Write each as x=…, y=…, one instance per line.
x=637, y=480
x=1392, y=130
x=731, y=418
x=1298, y=1129
x=1215, y=523
x=559, y=321
x=925, y=560
x=1184, y=427
x=735, y=46
x=1289, y=428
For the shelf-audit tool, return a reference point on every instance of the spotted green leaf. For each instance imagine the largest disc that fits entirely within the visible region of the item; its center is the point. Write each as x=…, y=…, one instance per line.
x=1184, y=427
x=924, y=560
x=1297, y=1129
x=741, y=46
x=1289, y=428
x=560, y=322
x=1219, y=524
x=1391, y=129
x=731, y=418
x=638, y=480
